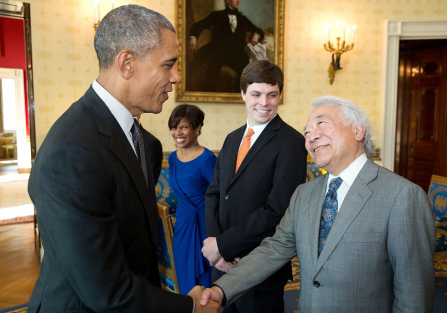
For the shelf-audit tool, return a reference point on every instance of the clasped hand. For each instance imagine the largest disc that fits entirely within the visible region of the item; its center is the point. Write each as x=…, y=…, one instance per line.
x=201, y=303
x=211, y=252
x=214, y=293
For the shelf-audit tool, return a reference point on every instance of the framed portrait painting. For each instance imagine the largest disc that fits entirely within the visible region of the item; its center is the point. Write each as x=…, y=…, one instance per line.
x=218, y=38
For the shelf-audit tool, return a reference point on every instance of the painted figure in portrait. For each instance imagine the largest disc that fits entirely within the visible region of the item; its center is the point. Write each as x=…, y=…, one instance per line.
x=221, y=38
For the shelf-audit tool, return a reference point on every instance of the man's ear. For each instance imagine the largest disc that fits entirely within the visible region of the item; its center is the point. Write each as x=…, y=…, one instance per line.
x=243, y=95
x=359, y=132
x=125, y=61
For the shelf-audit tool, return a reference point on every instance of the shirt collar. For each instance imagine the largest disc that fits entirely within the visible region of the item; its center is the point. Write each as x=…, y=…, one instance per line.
x=257, y=129
x=119, y=111
x=352, y=171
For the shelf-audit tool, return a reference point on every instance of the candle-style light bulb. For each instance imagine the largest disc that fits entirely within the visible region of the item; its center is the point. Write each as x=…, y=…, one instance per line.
x=329, y=32
x=338, y=30
x=344, y=31
x=98, y=12
x=95, y=16
x=112, y=4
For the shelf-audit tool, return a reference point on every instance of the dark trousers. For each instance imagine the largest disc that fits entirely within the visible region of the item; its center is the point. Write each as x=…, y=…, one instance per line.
x=255, y=301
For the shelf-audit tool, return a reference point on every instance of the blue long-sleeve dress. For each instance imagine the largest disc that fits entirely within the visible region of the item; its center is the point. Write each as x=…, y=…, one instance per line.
x=190, y=180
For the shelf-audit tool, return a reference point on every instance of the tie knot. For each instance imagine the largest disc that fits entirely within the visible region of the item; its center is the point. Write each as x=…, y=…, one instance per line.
x=335, y=183
x=250, y=132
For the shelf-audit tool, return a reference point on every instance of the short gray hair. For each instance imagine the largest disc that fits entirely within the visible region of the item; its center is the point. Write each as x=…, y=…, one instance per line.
x=130, y=27
x=352, y=115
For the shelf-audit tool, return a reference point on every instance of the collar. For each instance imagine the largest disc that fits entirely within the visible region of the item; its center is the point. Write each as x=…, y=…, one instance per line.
x=259, y=128
x=119, y=111
x=350, y=173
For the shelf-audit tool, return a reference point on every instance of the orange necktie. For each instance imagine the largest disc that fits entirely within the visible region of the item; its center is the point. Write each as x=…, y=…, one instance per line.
x=243, y=150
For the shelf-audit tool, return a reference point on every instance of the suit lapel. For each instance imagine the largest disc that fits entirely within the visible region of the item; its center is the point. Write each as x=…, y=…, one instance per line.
x=267, y=134
x=354, y=202
x=231, y=158
x=120, y=146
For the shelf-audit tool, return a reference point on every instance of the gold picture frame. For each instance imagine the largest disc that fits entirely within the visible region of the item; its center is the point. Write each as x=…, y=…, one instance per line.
x=187, y=10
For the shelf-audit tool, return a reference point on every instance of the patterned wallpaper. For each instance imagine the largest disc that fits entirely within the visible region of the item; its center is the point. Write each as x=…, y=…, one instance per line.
x=65, y=62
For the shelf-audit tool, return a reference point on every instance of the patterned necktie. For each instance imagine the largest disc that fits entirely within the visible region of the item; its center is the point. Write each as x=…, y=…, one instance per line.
x=137, y=138
x=329, y=212
x=243, y=150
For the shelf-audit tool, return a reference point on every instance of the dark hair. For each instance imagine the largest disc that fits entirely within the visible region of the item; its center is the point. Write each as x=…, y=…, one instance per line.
x=130, y=27
x=262, y=71
x=192, y=113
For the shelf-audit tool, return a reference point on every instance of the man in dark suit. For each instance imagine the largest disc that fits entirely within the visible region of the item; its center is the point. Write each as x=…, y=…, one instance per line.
x=364, y=236
x=91, y=182
x=227, y=46
x=248, y=195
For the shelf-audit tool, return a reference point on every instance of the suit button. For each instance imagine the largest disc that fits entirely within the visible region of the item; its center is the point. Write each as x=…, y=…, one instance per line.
x=227, y=197
x=316, y=284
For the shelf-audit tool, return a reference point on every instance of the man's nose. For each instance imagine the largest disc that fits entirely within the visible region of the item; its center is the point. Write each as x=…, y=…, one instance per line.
x=175, y=77
x=313, y=135
x=263, y=100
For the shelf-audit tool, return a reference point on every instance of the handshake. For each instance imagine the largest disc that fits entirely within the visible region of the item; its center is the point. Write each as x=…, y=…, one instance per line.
x=202, y=296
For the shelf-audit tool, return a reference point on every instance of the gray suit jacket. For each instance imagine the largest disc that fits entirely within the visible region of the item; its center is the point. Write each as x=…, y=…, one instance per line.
x=378, y=256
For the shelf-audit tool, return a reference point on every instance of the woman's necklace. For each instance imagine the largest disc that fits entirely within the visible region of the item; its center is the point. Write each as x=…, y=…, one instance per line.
x=185, y=156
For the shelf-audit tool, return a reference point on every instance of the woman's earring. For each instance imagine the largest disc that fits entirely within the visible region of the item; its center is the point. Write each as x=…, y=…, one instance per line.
x=196, y=143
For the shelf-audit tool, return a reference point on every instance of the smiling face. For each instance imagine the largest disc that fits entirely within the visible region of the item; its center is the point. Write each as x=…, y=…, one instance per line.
x=184, y=134
x=262, y=101
x=331, y=144
x=154, y=75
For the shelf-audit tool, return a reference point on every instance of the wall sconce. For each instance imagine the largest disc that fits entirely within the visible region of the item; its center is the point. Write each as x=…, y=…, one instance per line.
x=97, y=11
x=339, y=50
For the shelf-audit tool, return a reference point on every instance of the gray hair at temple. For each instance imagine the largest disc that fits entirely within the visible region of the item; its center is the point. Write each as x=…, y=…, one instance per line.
x=129, y=27
x=351, y=115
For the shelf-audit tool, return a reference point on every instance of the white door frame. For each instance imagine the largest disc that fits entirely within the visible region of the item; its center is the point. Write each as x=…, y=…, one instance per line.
x=395, y=31
x=23, y=144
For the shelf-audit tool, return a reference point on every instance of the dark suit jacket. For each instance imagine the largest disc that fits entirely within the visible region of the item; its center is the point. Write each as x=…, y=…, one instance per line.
x=226, y=45
x=97, y=219
x=242, y=209
x=155, y=152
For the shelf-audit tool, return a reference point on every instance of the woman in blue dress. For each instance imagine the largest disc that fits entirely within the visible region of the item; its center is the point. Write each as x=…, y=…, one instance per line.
x=191, y=167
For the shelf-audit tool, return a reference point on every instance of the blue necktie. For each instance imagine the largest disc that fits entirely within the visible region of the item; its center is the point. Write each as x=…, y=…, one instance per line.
x=329, y=212
x=137, y=138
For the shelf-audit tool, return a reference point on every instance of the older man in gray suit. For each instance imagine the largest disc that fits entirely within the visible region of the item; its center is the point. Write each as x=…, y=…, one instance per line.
x=364, y=236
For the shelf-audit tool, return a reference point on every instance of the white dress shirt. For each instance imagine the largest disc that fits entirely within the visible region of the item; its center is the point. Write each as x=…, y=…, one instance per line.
x=257, y=129
x=348, y=176
x=233, y=22
x=119, y=111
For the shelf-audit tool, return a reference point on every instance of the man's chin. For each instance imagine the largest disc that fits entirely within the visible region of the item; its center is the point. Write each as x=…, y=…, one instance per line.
x=318, y=162
x=158, y=108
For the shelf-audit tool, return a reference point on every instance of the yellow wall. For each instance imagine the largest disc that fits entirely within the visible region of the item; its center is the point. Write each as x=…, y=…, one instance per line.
x=65, y=62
